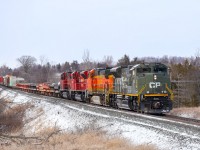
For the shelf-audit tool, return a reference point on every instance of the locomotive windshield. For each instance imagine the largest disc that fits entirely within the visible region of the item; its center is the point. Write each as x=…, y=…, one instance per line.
x=143, y=70
x=160, y=69
x=151, y=68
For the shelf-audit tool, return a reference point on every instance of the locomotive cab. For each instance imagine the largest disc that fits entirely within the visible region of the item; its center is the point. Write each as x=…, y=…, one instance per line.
x=152, y=82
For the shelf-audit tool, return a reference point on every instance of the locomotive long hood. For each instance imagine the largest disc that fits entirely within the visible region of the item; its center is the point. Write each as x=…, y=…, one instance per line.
x=155, y=83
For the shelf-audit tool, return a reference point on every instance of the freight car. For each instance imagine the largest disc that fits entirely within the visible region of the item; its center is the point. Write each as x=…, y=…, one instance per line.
x=41, y=88
x=49, y=89
x=12, y=81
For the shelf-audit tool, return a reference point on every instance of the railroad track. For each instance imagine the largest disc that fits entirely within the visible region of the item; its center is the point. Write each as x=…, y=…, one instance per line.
x=175, y=130
x=55, y=100
x=183, y=119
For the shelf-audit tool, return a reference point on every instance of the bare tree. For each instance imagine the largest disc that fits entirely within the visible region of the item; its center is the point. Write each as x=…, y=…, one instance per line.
x=164, y=59
x=197, y=58
x=43, y=60
x=87, y=63
x=108, y=60
x=4, y=70
x=27, y=62
x=124, y=61
x=197, y=73
x=65, y=67
x=75, y=66
x=86, y=56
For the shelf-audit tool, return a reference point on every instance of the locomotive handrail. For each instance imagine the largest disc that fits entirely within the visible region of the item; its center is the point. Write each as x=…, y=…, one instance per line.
x=170, y=91
x=139, y=93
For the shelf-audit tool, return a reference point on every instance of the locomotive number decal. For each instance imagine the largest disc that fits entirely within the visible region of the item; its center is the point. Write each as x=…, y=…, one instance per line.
x=154, y=85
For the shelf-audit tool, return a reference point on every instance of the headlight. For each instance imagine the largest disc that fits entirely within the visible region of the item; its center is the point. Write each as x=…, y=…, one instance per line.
x=155, y=77
x=156, y=105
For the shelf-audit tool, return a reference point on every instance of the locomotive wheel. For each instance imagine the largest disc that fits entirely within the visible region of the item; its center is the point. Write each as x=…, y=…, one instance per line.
x=83, y=97
x=102, y=100
x=61, y=94
x=88, y=99
x=113, y=102
x=130, y=104
x=58, y=95
x=110, y=101
x=115, y=105
x=68, y=96
x=73, y=96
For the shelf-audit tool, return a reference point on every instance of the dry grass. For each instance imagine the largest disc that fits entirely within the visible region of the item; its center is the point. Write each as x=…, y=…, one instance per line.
x=11, y=119
x=86, y=140
x=2, y=105
x=191, y=112
x=11, y=116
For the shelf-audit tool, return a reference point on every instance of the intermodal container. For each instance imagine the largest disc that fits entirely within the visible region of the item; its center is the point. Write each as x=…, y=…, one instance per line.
x=12, y=81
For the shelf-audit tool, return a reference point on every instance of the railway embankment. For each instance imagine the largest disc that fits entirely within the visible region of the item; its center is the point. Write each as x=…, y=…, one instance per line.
x=71, y=116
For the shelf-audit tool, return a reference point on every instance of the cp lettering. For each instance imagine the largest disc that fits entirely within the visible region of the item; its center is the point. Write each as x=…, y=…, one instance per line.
x=154, y=85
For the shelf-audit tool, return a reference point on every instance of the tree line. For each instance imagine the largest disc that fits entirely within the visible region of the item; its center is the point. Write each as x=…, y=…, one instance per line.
x=184, y=72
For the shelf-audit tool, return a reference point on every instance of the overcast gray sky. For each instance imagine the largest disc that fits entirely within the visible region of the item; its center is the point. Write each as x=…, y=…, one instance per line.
x=62, y=29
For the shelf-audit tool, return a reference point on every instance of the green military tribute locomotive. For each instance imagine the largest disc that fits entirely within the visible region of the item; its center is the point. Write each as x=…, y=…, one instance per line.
x=143, y=87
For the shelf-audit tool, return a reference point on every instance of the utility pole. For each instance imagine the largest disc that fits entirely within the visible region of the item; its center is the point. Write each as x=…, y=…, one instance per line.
x=179, y=76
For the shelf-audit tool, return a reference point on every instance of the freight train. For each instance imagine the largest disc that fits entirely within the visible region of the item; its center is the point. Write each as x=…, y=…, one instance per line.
x=143, y=87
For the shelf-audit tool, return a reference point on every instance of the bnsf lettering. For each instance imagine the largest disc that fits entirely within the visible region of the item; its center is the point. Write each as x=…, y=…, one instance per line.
x=154, y=85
